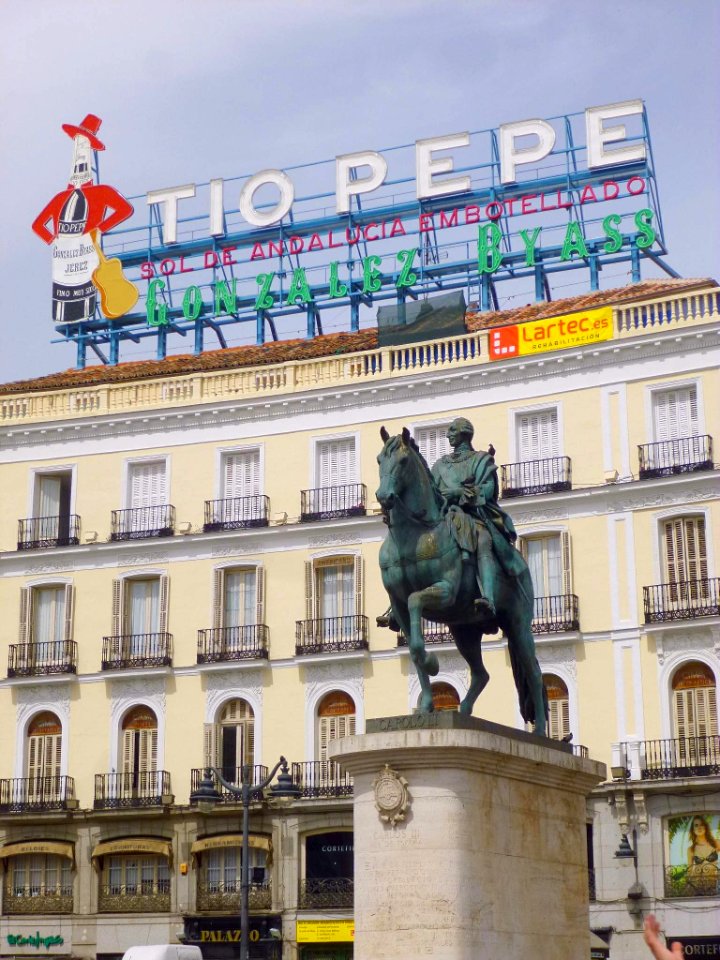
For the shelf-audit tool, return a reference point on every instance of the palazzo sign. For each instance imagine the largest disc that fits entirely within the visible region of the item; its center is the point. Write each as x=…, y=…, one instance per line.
x=461, y=211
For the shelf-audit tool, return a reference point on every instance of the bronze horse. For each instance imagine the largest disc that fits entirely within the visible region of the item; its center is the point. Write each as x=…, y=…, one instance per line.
x=424, y=574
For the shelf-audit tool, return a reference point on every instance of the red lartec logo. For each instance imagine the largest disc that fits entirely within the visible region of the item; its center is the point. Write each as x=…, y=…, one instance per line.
x=503, y=343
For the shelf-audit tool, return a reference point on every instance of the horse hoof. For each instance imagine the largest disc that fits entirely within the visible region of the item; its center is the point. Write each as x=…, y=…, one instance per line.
x=432, y=664
x=426, y=705
x=465, y=709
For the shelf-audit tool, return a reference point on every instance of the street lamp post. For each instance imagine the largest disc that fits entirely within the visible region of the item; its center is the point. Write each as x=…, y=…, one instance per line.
x=206, y=796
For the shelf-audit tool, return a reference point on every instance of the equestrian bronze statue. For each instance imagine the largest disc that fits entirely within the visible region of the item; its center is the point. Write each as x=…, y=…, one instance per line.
x=450, y=556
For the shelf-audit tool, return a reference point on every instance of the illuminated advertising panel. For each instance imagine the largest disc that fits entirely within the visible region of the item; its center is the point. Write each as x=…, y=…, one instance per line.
x=551, y=333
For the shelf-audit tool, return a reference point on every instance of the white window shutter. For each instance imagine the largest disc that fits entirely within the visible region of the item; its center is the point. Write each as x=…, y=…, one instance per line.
x=336, y=462
x=25, y=614
x=683, y=713
x=309, y=591
x=164, y=600
x=358, y=578
x=433, y=443
x=241, y=474
x=676, y=413
x=128, y=751
x=218, y=598
x=565, y=547
x=147, y=485
x=69, y=611
x=537, y=435
x=260, y=593
x=211, y=745
x=117, y=608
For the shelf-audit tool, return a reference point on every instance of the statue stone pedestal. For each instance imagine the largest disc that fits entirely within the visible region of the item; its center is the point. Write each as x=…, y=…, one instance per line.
x=490, y=859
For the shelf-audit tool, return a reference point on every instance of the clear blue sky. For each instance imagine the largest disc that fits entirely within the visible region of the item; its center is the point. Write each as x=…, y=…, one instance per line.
x=193, y=89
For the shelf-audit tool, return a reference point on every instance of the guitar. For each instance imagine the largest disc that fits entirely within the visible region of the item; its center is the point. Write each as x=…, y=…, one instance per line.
x=117, y=294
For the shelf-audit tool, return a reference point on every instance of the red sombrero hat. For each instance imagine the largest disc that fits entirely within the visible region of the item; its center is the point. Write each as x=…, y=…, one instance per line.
x=88, y=128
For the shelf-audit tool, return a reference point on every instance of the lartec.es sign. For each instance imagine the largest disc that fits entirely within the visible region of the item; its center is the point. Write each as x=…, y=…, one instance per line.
x=553, y=333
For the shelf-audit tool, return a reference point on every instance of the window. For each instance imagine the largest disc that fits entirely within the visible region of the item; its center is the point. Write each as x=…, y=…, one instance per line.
x=221, y=868
x=433, y=443
x=694, y=703
x=239, y=595
x=147, y=484
x=230, y=743
x=139, y=754
x=336, y=462
x=39, y=874
x=241, y=474
x=51, y=508
x=336, y=718
x=537, y=435
x=140, y=606
x=334, y=588
x=558, y=705
x=328, y=880
x=46, y=620
x=132, y=875
x=44, y=754
x=675, y=413
x=444, y=696
x=685, y=551
x=548, y=558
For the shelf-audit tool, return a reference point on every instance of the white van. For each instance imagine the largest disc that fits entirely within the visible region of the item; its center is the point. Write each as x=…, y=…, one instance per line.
x=163, y=951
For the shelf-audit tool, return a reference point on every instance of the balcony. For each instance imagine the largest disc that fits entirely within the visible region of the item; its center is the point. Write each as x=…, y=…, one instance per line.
x=323, y=893
x=668, y=457
x=142, y=788
x=684, y=600
x=236, y=513
x=37, y=532
x=216, y=896
x=332, y=634
x=321, y=779
x=139, y=523
x=221, y=644
x=150, y=897
x=34, y=902
x=432, y=633
x=693, y=881
x=555, y=614
x=30, y=794
x=137, y=650
x=232, y=775
x=551, y=475
x=333, y=503
x=42, y=659
x=680, y=758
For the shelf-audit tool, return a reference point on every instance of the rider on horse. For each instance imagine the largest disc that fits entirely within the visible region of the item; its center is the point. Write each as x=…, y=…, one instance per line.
x=467, y=478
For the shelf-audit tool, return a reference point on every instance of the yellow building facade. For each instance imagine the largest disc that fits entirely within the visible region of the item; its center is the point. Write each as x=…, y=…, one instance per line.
x=190, y=578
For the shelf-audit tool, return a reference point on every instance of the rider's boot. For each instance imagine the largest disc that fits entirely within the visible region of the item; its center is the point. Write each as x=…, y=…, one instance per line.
x=485, y=603
x=388, y=620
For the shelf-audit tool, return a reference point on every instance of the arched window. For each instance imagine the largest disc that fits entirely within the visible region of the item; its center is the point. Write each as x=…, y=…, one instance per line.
x=336, y=718
x=44, y=755
x=230, y=743
x=559, y=706
x=445, y=696
x=139, y=754
x=694, y=702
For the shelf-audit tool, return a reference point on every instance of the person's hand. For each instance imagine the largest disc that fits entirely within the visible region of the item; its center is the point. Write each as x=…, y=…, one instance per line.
x=651, y=935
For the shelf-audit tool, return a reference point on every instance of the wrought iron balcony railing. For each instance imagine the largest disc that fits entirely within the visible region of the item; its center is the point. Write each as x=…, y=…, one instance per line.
x=331, y=634
x=232, y=775
x=138, y=523
x=60, y=531
x=27, y=794
x=224, y=896
x=233, y=643
x=667, y=457
x=551, y=475
x=683, y=600
x=322, y=893
x=682, y=757
x=137, y=650
x=432, y=632
x=145, y=897
x=555, y=614
x=138, y=788
x=321, y=779
x=236, y=513
x=697, y=880
x=42, y=659
x=36, y=902
x=331, y=503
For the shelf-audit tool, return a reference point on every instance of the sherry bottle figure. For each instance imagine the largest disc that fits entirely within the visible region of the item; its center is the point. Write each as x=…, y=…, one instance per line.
x=78, y=210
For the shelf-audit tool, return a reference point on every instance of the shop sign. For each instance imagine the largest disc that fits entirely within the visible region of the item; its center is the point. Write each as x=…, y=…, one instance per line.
x=36, y=941
x=220, y=930
x=697, y=947
x=553, y=333
x=325, y=931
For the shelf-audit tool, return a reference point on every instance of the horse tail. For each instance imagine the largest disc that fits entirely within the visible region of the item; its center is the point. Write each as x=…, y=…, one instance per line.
x=523, y=681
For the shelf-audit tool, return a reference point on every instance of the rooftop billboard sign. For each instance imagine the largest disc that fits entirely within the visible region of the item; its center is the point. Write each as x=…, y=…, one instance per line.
x=288, y=250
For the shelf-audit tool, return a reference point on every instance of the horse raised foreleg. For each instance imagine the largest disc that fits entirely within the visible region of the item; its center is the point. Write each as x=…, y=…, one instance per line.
x=468, y=641
x=435, y=597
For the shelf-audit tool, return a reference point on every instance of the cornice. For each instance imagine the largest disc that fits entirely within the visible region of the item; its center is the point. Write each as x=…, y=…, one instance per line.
x=352, y=531
x=367, y=395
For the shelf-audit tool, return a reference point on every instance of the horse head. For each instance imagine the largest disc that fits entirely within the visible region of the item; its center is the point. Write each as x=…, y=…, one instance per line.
x=405, y=477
